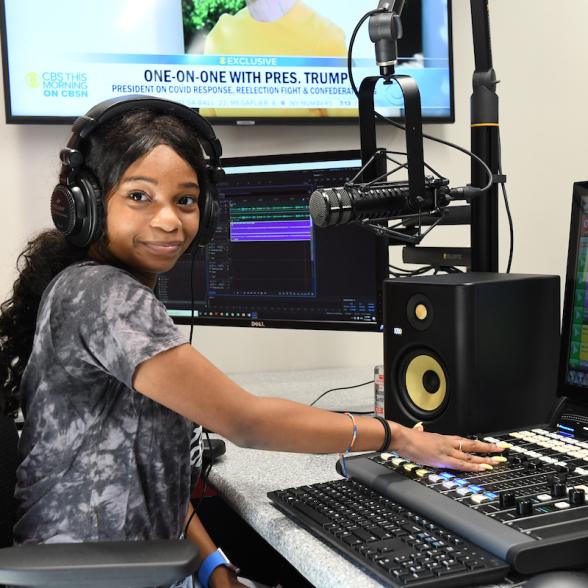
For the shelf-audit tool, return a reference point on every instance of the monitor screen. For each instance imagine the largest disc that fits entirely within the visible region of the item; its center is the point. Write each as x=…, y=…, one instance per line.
x=574, y=340
x=236, y=60
x=269, y=266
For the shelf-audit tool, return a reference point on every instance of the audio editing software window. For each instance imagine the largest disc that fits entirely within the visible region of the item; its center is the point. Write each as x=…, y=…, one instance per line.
x=268, y=265
x=578, y=344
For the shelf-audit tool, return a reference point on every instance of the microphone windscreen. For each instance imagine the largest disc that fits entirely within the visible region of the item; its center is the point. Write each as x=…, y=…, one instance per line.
x=329, y=206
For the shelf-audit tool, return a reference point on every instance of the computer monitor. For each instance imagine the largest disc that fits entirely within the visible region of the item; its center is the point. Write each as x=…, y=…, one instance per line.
x=574, y=338
x=269, y=266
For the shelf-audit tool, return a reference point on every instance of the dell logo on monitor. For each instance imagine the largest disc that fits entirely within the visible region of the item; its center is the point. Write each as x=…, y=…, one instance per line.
x=257, y=324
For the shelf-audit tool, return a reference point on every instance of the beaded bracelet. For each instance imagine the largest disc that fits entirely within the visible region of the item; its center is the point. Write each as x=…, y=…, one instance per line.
x=348, y=450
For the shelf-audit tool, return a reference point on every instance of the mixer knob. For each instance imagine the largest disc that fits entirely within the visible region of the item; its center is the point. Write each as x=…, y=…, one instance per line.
x=533, y=464
x=515, y=459
x=565, y=468
x=506, y=499
x=524, y=508
x=558, y=489
x=576, y=496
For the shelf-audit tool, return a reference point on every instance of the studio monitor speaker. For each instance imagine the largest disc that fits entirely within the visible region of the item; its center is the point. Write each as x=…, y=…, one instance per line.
x=471, y=353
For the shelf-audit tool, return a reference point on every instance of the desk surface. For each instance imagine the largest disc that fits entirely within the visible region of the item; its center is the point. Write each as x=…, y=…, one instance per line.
x=244, y=476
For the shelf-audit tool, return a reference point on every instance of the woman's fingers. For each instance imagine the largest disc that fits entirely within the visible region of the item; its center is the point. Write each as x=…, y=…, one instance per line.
x=467, y=466
x=471, y=446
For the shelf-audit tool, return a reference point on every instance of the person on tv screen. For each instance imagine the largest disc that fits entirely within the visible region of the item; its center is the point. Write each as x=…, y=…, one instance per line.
x=108, y=385
x=276, y=28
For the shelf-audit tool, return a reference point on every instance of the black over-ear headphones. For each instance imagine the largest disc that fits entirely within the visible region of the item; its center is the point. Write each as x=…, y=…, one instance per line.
x=76, y=203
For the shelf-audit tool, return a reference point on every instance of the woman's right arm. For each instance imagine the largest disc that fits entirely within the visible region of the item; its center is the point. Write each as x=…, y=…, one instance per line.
x=186, y=382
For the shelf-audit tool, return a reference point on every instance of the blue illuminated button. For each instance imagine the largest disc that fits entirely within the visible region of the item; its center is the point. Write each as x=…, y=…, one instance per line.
x=460, y=482
x=475, y=489
x=446, y=475
x=491, y=495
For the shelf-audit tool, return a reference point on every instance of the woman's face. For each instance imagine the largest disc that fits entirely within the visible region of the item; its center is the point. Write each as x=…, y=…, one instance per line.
x=152, y=215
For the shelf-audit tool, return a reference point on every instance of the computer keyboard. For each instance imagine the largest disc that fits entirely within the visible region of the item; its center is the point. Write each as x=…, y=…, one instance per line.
x=394, y=544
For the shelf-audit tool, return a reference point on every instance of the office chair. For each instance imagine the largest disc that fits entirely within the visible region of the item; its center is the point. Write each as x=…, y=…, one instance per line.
x=114, y=564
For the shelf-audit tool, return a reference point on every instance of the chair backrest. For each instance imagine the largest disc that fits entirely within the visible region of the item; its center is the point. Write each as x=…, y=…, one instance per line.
x=8, y=463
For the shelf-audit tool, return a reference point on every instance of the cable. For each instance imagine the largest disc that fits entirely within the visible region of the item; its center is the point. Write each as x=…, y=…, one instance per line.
x=401, y=272
x=206, y=472
x=404, y=272
x=343, y=388
x=192, y=295
x=507, y=207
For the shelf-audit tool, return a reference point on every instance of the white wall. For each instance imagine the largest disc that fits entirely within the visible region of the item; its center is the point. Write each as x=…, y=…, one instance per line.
x=541, y=57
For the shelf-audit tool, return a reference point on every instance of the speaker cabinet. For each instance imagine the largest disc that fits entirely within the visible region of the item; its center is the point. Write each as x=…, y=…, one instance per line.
x=471, y=353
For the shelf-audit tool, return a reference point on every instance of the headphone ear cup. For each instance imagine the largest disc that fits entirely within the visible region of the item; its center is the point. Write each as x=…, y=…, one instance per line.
x=66, y=207
x=93, y=224
x=209, y=213
x=77, y=210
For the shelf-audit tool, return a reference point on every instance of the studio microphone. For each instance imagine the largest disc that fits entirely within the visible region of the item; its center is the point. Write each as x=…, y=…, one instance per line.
x=388, y=200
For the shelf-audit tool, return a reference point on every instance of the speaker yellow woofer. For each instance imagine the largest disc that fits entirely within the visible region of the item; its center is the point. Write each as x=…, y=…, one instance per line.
x=424, y=383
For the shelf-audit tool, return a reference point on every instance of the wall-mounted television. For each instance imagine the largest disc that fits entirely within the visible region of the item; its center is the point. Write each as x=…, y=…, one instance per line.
x=238, y=61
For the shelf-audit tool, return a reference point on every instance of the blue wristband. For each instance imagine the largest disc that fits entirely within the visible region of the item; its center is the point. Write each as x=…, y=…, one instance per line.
x=214, y=560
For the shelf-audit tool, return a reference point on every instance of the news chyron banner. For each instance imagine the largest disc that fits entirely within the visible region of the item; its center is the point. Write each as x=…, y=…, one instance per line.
x=229, y=59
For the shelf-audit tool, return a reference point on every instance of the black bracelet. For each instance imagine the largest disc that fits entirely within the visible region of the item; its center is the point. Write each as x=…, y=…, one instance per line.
x=387, y=434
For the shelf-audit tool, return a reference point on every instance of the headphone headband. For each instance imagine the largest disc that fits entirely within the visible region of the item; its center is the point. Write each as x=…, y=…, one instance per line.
x=113, y=107
x=76, y=203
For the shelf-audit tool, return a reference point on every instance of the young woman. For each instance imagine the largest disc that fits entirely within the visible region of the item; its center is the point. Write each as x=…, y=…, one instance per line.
x=107, y=383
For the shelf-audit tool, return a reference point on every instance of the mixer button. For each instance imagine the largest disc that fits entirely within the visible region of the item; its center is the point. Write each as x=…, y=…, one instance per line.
x=478, y=498
x=421, y=472
x=408, y=467
x=543, y=497
x=463, y=491
x=562, y=505
x=386, y=456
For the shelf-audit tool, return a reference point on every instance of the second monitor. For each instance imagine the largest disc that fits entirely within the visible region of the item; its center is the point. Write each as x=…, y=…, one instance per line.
x=268, y=266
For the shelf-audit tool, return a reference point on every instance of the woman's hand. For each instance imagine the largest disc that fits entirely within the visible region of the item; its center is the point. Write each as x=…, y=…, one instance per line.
x=445, y=451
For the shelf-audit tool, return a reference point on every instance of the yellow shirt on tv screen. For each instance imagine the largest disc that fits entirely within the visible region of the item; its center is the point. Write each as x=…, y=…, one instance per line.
x=300, y=32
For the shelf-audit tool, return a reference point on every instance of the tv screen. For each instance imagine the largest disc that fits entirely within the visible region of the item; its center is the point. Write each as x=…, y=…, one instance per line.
x=268, y=265
x=237, y=61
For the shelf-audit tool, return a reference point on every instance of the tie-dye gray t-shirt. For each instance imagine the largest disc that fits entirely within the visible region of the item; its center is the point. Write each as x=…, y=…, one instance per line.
x=100, y=461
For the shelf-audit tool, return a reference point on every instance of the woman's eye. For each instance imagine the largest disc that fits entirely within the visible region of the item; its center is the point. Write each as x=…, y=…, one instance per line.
x=187, y=201
x=138, y=196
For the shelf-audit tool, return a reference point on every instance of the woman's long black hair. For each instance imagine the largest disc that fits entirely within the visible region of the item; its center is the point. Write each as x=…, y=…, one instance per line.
x=108, y=151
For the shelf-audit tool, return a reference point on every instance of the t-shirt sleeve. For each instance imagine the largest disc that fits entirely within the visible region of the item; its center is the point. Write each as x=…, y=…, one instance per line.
x=104, y=317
